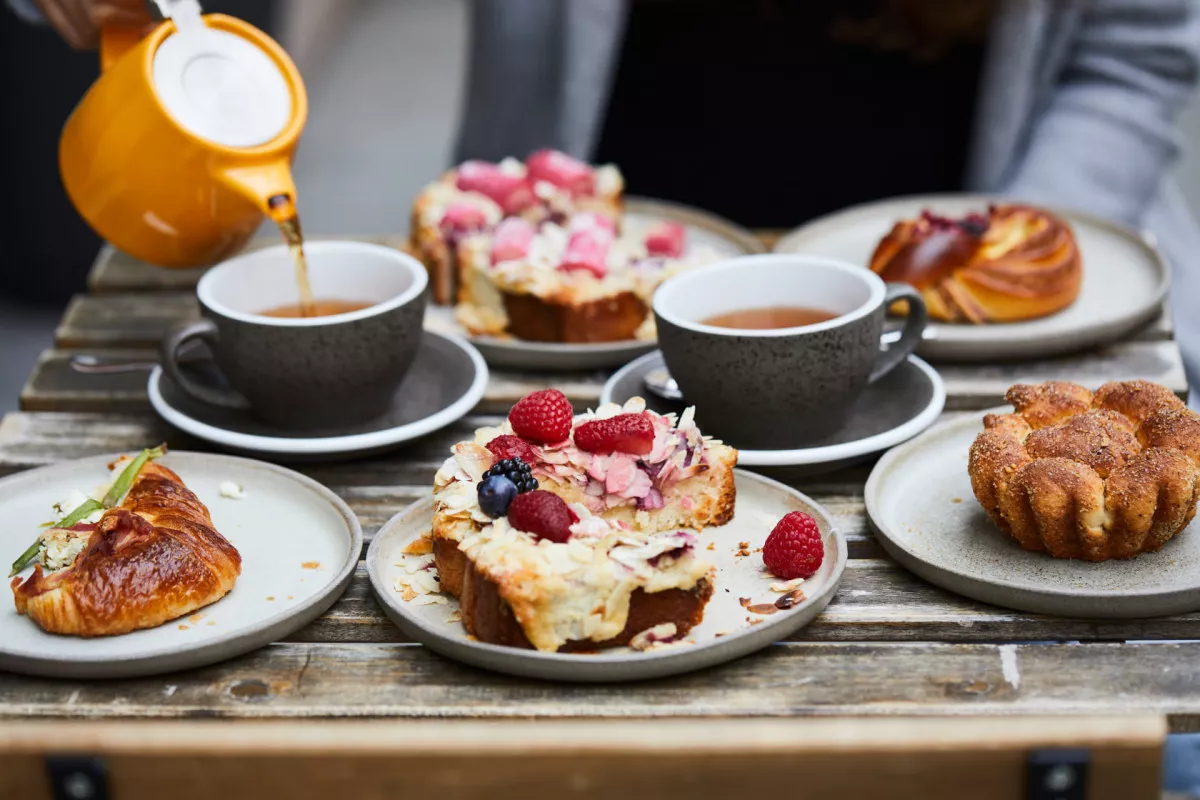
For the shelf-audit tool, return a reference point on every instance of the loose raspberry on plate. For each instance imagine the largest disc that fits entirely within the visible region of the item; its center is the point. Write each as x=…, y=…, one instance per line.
x=511, y=240
x=542, y=417
x=624, y=433
x=506, y=446
x=562, y=171
x=541, y=513
x=794, y=549
x=665, y=239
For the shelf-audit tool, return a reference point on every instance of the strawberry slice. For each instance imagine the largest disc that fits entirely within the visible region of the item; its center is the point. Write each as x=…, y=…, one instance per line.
x=589, y=238
x=513, y=193
x=624, y=433
x=511, y=240
x=562, y=171
x=463, y=218
x=665, y=239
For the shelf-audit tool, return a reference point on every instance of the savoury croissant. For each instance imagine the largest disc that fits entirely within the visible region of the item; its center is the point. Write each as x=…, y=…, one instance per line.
x=153, y=558
x=1013, y=263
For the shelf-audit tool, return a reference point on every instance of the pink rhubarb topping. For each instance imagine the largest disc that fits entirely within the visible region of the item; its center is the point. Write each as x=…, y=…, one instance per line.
x=563, y=171
x=511, y=192
x=589, y=238
x=665, y=239
x=511, y=240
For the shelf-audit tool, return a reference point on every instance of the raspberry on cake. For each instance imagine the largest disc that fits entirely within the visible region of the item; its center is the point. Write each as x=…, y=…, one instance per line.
x=595, y=555
x=573, y=282
x=475, y=196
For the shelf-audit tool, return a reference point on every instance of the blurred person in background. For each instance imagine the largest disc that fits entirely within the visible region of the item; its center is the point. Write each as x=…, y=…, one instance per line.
x=773, y=112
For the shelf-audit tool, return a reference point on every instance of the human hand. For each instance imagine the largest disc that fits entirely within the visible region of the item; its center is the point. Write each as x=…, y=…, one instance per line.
x=79, y=22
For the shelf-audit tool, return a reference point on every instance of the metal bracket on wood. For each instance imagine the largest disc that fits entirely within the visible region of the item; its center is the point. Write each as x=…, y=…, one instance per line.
x=1058, y=774
x=77, y=778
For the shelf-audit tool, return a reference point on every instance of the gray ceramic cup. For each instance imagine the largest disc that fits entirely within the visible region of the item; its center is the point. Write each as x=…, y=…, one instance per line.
x=783, y=387
x=301, y=373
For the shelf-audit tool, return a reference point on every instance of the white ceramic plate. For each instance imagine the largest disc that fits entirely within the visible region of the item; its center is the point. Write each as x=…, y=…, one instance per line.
x=703, y=229
x=446, y=380
x=896, y=408
x=1124, y=279
x=728, y=631
x=920, y=502
x=298, y=541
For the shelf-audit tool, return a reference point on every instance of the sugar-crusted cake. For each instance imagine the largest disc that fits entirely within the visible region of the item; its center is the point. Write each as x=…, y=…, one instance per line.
x=475, y=196
x=579, y=281
x=1095, y=476
x=623, y=567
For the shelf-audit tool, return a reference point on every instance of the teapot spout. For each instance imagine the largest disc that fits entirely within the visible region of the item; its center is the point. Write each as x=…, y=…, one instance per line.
x=268, y=185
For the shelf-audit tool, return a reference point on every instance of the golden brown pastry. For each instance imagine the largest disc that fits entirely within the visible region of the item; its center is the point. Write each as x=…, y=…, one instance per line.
x=1092, y=476
x=153, y=558
x=1013, y=263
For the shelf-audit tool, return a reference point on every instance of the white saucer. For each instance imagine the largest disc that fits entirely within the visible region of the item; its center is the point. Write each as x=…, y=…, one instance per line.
x=703, y=229
x=729, y=630
x=893, y=410
x=447, y=379
x=299, y=544
x=1125, y=279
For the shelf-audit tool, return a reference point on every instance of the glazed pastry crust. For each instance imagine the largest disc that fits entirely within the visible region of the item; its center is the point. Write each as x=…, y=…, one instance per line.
x=1092, y=476
x=1025, y=264
x=154, y=558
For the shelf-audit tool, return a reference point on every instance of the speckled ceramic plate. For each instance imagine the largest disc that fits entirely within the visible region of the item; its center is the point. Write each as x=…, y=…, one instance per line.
x=920, y=502
x=446, y=380
x=703, y=229
x=894, y=409
x=1124, y=279
x=298, y=541
x=729, y=629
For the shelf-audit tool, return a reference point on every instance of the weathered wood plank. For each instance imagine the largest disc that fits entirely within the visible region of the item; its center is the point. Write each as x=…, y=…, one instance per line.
x=865, y=759
x=788, y=679
x=123, y=320
x=55, y=386
x=878, y=601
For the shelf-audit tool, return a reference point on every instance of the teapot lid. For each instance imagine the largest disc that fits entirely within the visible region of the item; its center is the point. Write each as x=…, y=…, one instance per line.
x=221, y=87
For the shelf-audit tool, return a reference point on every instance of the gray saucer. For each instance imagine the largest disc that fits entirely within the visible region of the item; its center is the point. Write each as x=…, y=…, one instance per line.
x=920, y=502
x=445, y=382
x=890, y=411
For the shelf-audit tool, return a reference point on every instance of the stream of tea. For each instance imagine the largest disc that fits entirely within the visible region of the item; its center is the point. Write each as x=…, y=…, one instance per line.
x=283, y=213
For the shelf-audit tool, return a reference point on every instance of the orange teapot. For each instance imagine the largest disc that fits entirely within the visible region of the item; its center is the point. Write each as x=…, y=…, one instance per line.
x=186, y=139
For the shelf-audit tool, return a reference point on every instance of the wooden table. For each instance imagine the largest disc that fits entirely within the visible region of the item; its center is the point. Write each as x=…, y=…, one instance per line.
x=889, y=644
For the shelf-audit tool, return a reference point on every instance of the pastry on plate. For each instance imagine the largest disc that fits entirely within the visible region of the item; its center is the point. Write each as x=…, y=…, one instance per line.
x=575, y=282
x=144, y=554
x=475, y=196
x=1095, y=476
x=1012, y=263
x=568, y=533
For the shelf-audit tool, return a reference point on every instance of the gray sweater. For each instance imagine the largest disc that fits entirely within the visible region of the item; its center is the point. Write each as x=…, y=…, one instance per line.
x=1077, y=106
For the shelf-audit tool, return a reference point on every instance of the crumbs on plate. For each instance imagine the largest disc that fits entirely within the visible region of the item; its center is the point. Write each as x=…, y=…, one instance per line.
x=310, y=564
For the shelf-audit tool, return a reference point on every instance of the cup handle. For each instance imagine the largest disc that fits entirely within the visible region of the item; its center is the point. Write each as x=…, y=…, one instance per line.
x=206, y=331
x=893, y=354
